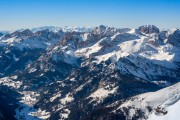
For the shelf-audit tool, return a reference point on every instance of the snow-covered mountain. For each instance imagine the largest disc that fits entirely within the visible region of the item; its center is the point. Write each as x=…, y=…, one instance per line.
x=65, y=29
x=72, y=73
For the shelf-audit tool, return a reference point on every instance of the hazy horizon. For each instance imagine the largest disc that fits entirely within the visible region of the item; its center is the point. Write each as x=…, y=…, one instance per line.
x=12, y=30
x=22, y=14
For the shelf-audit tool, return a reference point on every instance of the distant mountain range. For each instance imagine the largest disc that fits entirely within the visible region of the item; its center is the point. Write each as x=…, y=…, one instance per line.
x=54, y=29
x=84, y=73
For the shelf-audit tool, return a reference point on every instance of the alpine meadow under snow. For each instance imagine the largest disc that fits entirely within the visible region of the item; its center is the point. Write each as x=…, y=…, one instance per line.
x=85, y=73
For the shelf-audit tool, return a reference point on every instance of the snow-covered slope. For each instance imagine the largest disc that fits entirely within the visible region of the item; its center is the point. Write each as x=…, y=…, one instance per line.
x=159, y=105
x=172, y=112
x=26, y=39
x=146, y=52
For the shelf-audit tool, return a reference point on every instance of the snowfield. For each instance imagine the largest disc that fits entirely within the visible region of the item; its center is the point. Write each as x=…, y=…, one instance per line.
x=172, y=114
x=100, y=94
x=164, y=104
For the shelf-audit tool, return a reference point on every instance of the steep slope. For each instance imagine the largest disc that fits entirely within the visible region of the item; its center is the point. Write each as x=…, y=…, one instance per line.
x=1, y=34
x=160, y=105
x=172, y=111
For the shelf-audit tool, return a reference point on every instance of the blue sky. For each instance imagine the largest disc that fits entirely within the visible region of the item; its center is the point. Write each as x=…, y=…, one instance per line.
x=16, y=14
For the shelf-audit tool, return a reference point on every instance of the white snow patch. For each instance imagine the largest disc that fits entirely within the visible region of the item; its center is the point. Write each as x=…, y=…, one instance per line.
x=88, y=50
x=26, y=110
x=15, y=58
x=29, y=98
x=173, y=113
x=11, y=83
x=64, y=114
x=72, y=79
x=42, y=114
x=102, y=93
x=69, y=98
x=55, y=96
x=32, y=70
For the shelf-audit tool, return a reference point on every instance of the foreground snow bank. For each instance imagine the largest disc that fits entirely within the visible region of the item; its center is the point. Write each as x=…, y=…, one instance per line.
x=159, y=105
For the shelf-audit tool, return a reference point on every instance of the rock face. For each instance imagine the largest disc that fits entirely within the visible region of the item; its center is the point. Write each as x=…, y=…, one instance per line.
x=100, y=30
x=73, y=75
x=27, y=33
x=149, y=29
x=174, y=38
x=1, y=34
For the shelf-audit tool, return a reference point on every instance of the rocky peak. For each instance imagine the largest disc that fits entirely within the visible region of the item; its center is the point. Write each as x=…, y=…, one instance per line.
x=87, y=40
x=47, y=34
x=16, y=33
x=100, y=30
x=60, y=33
x=149, y=29
x=70, y=38
x=42, y=33
x=27, y=32
x=174, y=38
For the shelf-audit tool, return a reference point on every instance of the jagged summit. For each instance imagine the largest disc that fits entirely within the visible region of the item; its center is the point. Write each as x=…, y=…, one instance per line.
x=100, y=30
x=27, y=32
x=149, y=29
